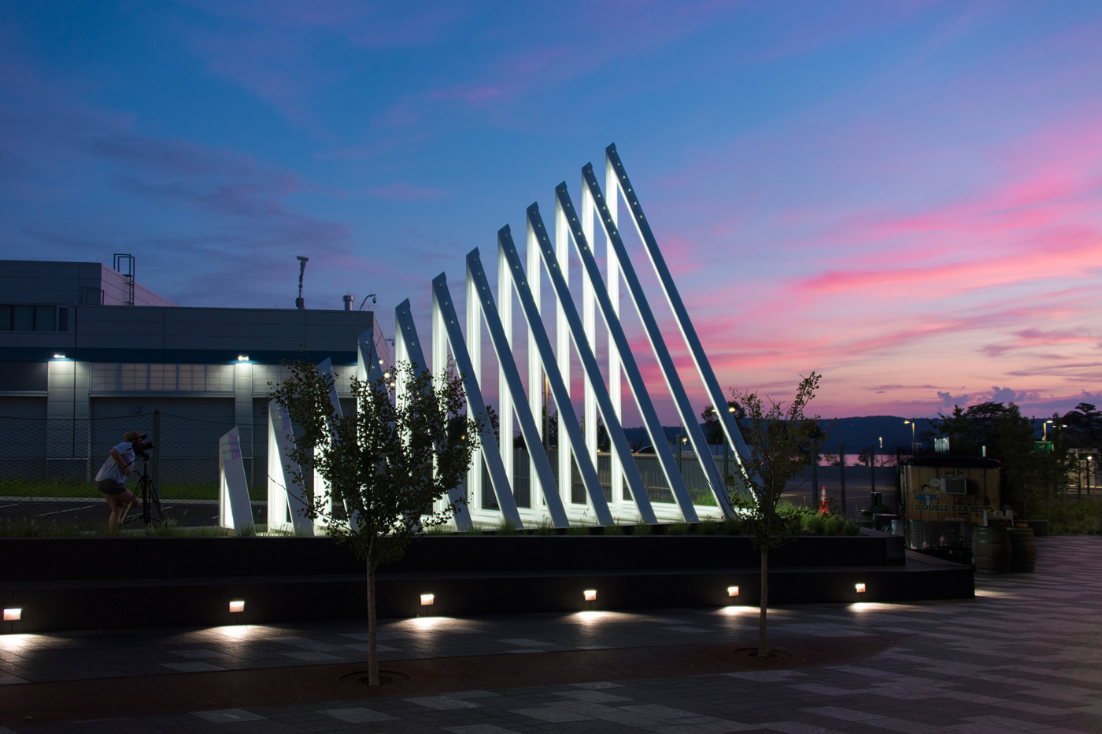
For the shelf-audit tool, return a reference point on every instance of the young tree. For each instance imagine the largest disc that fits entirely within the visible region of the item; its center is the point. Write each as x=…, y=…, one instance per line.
x=386, y=463
x=774, y=434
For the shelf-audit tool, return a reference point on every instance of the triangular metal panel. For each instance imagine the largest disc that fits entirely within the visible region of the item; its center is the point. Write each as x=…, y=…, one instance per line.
x=442, y=304
x=512, y=387
x=540, y=241
x=407, y=348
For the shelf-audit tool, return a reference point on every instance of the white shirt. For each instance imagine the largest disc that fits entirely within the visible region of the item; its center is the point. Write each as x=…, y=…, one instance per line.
x=111, y=469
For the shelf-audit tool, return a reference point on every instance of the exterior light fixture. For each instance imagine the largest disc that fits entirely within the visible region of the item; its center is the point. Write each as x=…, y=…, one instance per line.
x=731, y=409
x=732, y=591
x=590, y=594
x=13, y=615
x=237, y=607
x=59, y=355
x=860, y=588
x=386, y=375
x=242, y=358
x=427, y=599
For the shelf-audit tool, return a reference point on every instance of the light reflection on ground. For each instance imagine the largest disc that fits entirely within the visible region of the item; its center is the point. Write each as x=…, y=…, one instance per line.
x=741, y=609
x=17, y=641
x=875, y=606
x=239, y=631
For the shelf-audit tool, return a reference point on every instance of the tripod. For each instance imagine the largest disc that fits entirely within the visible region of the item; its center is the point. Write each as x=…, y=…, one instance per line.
x=147, y=491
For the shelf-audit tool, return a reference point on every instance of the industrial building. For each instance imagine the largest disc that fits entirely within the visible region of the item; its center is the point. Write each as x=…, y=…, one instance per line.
x=86, y=353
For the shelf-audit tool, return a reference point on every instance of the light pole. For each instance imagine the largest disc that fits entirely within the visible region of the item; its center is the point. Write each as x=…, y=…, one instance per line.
x=912, y=425
x=1045, y=438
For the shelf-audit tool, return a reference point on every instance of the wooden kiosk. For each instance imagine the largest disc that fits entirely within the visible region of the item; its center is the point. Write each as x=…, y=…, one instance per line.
x=944, y=498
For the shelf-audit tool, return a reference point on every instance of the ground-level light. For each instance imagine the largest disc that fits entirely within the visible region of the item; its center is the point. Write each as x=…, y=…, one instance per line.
x=13, y=615
x=732, y=591
x=427, y=600
x=860, y=588
x=237, y=606
x=590, y=594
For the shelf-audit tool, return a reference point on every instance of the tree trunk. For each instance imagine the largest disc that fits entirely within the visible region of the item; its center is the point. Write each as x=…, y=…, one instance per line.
x=372, y=640
x=763, y=643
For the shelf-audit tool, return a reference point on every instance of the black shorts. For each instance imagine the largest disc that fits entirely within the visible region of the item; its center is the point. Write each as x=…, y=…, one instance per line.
x=110, y=486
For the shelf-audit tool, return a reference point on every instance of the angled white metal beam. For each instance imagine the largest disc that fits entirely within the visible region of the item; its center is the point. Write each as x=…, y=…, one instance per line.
x=368, y=367
x=615, y=369
x=562, y=351
x=323, y=493
x=513, y=387
x=589, y=322
x=442, y=301
x=505, y=398
x=538, y=335
x=616, y=167
x=658, y=344
x=407, y=348
x=536, y=383
x=635, y=378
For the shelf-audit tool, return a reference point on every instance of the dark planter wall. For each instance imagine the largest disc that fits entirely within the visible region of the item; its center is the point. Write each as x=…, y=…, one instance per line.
x=52, y=559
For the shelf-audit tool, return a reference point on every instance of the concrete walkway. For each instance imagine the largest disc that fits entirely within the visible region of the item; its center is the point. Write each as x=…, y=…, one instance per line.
x=1025, y=655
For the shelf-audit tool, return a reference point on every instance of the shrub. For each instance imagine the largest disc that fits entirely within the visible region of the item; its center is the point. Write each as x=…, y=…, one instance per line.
x=833, y=525
x=709, y=527
x=812, y=524
x=614, y=530
x=677, y=528
x=641, y=528
x=1080, y=516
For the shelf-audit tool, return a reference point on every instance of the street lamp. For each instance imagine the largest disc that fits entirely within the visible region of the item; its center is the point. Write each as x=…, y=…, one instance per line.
x=912, y=425
x=1046, y=430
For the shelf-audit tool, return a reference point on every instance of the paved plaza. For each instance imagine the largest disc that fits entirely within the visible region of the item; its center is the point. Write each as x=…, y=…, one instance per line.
x=1025, y=655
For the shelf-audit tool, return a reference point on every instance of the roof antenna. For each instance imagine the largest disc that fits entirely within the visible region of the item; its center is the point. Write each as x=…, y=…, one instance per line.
x=299, y=303
x=369, y=295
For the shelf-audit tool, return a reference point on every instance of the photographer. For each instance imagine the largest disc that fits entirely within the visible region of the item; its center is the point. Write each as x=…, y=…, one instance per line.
x=111, y=478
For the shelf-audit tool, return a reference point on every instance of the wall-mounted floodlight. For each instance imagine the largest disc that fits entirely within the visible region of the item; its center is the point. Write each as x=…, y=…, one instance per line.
x=242, y=358
x=13, y=615
x=427, y=599
x=732, y=591
x=237, y=607
x=590, y=594
x=59, y=355
x=860, y=588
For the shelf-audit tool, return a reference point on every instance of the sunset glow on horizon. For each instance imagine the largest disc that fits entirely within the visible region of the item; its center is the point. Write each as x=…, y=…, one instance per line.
x=904, y=197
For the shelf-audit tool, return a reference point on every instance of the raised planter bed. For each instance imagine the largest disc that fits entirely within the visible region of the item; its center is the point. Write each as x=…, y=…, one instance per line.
x=95, y=583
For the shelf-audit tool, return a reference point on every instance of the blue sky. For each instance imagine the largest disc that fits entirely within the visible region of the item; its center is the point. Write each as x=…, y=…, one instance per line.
x=902, y=196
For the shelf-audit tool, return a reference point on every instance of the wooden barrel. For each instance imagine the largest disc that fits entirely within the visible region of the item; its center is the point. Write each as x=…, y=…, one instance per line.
x=991, y=549
x=1023, y=550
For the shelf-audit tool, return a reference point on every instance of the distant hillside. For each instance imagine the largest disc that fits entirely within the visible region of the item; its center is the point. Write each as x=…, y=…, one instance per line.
x=856, y=433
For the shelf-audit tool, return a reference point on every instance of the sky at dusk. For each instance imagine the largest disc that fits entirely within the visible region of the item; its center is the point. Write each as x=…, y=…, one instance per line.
x=905, y=197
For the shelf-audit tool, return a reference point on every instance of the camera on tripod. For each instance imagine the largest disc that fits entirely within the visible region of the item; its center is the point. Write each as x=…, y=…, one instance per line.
x=140, y=446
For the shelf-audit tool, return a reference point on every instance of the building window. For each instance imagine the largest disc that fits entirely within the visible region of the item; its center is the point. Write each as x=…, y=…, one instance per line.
x=45, y=318
x=162, y=378
x=29, y=318
x=63, y=319
x=22, y=318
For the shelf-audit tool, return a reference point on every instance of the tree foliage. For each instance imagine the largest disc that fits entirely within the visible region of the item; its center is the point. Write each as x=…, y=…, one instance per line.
x=777, y=436
x=386, y=463
x=713, y=431
x=1031, y=476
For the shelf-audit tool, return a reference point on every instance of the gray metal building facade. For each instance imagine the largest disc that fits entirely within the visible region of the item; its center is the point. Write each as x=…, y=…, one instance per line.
x=75, y=374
